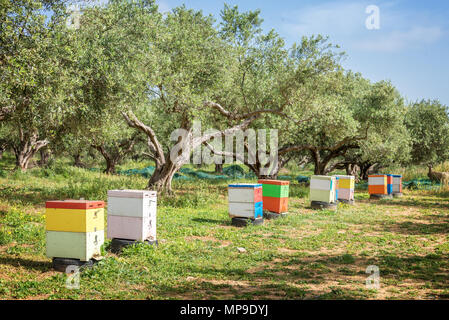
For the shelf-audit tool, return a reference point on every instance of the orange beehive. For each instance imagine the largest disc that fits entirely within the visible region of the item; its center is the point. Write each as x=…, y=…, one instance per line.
x=377, y=184
x=275, y=195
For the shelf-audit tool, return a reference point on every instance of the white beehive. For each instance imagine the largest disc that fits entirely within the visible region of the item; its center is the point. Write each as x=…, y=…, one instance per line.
x=132, y=214
x=245, y=201
x=323, y=189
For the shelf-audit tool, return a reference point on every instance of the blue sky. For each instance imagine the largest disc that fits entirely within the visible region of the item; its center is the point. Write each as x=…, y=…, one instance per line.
x=411, y=48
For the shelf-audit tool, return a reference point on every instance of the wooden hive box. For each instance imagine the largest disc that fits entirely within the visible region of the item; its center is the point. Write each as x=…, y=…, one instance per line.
x=245, y=201
x=275, y=195
x=132, y=214
x=397, y=183
x=75, y=229
x=74, y=216
x=346, y=186
x=390, y=183
x=74, y=245
x=323, y=189
x=377, y=184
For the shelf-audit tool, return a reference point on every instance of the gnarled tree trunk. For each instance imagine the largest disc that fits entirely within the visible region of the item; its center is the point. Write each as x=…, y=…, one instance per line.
x=77, y=161
x=115, y=154
x=45, y=157
x=27, y=147
x=219, y=168
x=3, y=146
x=168, y=164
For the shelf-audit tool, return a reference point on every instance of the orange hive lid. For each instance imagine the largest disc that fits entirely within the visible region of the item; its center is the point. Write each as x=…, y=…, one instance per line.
x=74, y=204
x=377, y=175
x=275, y=182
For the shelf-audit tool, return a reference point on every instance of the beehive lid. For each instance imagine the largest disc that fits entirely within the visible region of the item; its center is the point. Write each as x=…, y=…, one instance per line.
x=74, y=204
x=139, y=194
x=345, y=177
x=323, y=177
x=397, y=176
x=275, y=182
x=243, y=185
x=377, y=176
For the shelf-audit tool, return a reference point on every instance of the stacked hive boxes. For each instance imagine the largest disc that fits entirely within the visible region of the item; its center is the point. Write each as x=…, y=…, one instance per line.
x=345, y=191
x=75, y=229
x=397, y=185
x=377, y=185
x=275, y=195
x=323, y=189
x=245, y=201
x=132, y=215
x=390, y=183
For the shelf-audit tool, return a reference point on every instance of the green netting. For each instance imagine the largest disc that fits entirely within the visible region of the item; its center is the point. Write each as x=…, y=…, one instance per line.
x=286, y=178
x=236, y=172
x=302, y=179
x=186, y=174
x=421, y=184
x=145, y=172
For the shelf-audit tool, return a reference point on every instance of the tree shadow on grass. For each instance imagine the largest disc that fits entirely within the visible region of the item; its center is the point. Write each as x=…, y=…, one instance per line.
x=415, y=228
x=210, y=290
x=421, y=203
x=316, y=277
x=210, y=221
x=43, y=266
x=30, y=196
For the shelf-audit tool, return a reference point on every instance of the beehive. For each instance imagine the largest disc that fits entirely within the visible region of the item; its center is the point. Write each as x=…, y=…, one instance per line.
x=345, y=190
x=74, y=229
x=245, y=201
x=275, y=195
x=132, y=214
x=390, y=183
x=397, y=184
x=377, y=184
x=323, y=189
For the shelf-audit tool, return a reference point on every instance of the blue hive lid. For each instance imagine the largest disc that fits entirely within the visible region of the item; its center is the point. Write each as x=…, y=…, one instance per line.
x=245, y=185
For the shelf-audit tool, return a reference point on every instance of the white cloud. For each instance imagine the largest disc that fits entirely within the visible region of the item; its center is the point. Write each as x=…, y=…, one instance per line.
x=344, y=22
x=399, y=40
x=326, y=18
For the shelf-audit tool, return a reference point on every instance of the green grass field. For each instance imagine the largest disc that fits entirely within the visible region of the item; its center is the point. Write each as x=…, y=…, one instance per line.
x=307, y=255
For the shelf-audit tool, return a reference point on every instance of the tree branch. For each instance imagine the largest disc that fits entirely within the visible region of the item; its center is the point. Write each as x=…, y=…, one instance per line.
x=137, y=124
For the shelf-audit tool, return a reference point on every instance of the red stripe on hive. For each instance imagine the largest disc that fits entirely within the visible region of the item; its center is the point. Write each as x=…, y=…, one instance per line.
x=275, y=182
x=74, y=204
x=258, y=195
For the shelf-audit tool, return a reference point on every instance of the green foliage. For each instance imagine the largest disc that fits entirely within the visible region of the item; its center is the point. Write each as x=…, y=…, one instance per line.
x=428, y=124
x=35, y=77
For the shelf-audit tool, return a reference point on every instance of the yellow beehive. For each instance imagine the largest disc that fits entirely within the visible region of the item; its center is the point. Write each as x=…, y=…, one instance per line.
x=75, y=220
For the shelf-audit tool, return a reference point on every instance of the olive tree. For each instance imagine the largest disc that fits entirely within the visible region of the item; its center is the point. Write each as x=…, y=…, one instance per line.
x=282, y=81
x=428, y=124
x=34, y=78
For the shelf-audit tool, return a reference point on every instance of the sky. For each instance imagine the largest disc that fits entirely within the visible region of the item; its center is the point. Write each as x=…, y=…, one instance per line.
x=410, y=47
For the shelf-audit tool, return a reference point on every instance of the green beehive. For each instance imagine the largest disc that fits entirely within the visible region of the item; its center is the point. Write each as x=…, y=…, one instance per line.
x=275, y=191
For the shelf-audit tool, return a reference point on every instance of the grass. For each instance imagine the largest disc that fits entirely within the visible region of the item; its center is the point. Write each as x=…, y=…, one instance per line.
x=307, y=255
